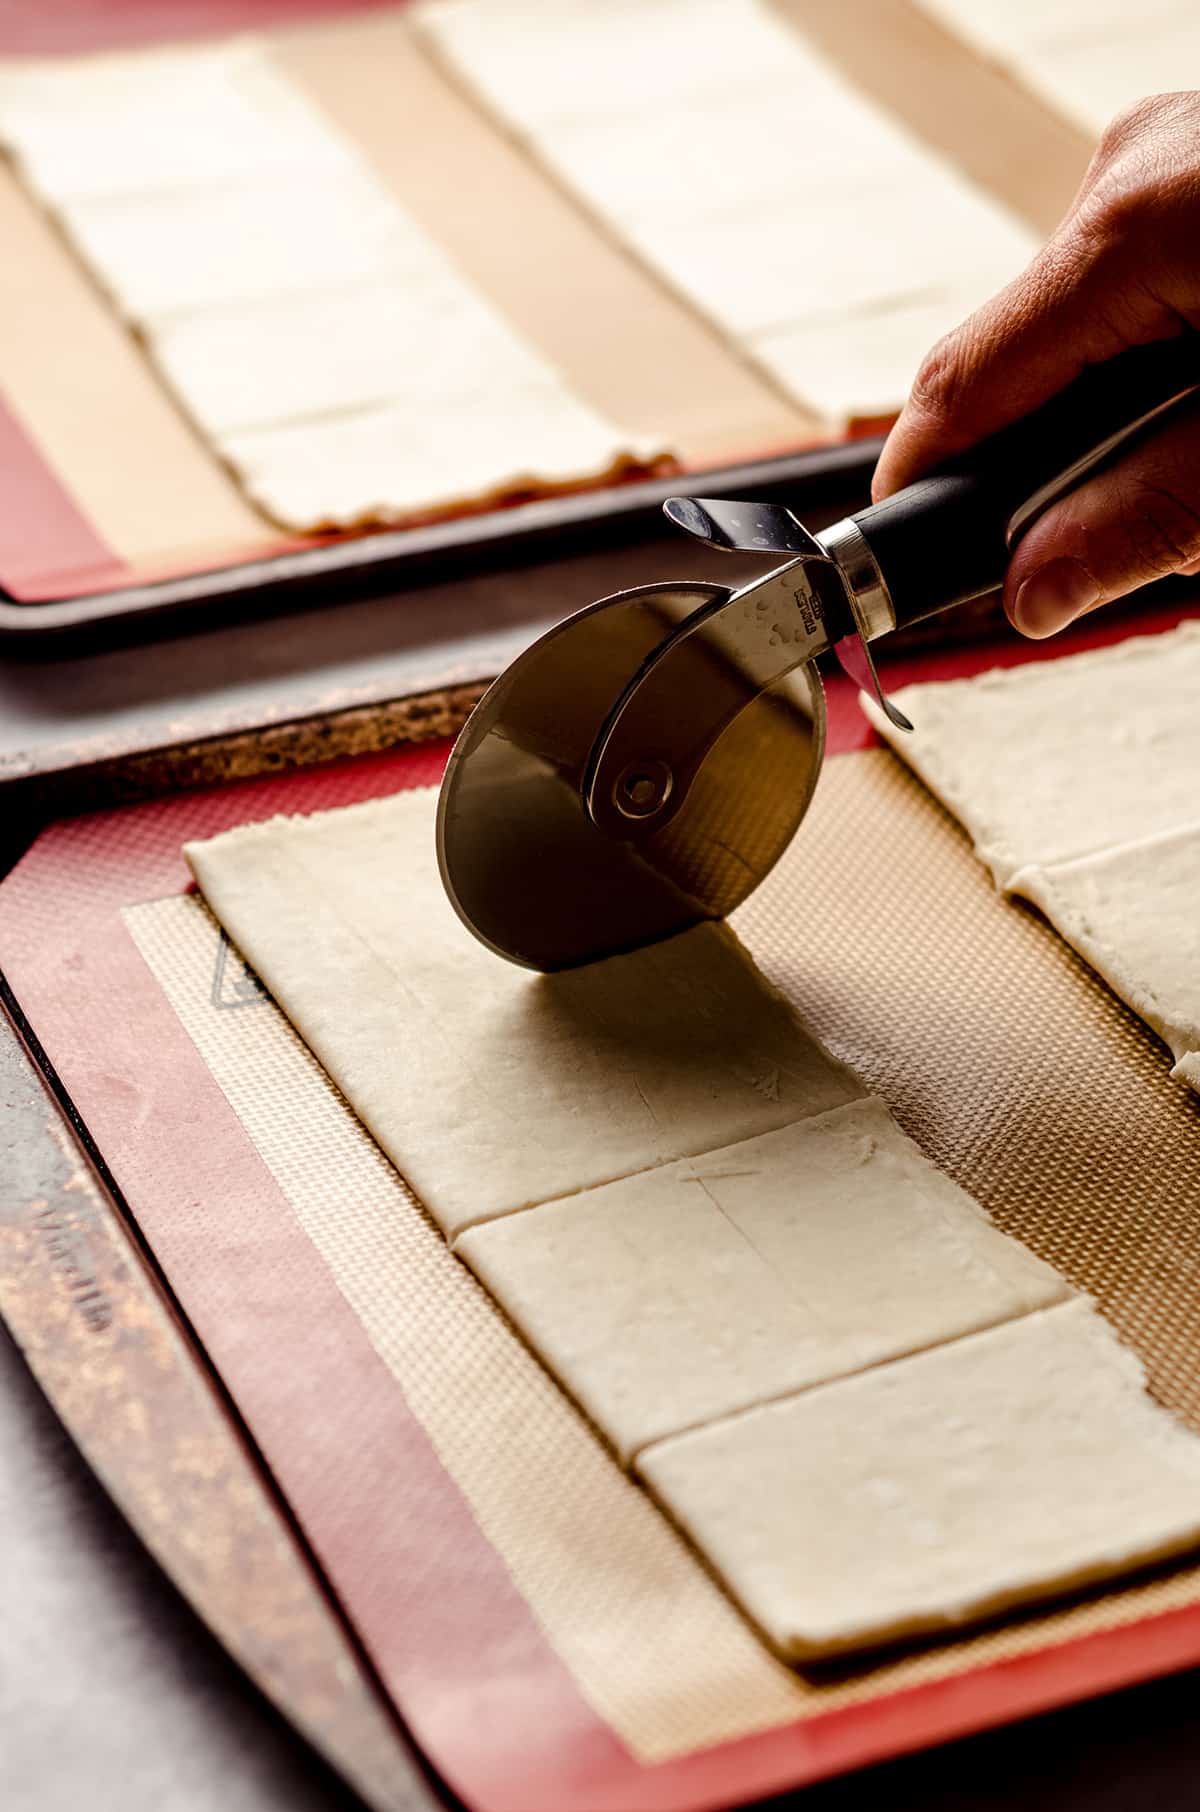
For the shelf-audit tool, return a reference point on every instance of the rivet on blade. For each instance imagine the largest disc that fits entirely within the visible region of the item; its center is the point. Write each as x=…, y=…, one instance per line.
x=642, y=788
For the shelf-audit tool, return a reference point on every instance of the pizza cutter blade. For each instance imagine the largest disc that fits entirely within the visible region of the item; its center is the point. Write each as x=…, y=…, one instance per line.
x=643, y=766
x=527, y=868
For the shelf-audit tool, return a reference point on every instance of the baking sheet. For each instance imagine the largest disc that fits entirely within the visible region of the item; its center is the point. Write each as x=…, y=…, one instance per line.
x=76, y=380
x=73, y=383
x=536, y=1673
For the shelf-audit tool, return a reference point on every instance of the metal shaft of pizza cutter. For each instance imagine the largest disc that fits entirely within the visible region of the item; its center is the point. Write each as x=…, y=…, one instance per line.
x=684, y=695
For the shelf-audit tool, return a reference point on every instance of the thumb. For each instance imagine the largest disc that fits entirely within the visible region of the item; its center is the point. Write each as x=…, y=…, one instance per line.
x=1136, y=521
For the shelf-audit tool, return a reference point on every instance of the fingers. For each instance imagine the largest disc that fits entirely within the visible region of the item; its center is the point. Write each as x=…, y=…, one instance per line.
x=1137, y=521
x=1073, y=307
x=1118, y=272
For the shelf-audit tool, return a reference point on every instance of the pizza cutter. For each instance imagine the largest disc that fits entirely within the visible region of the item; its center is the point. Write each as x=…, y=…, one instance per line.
x=644, y=764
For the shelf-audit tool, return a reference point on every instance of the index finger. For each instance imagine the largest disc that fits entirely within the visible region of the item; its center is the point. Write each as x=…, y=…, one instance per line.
x=1073, y=306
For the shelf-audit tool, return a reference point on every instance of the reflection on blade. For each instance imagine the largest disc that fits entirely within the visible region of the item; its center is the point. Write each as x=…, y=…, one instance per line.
x=538, y=876
x=526, y=868
x=696, y=682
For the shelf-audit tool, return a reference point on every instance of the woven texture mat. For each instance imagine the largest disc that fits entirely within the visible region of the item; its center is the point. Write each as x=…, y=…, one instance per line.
x=1009, y=1062
x=998, y=1050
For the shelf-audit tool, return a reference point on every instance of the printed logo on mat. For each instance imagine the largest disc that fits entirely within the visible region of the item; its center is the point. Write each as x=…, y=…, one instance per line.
x=234, y=983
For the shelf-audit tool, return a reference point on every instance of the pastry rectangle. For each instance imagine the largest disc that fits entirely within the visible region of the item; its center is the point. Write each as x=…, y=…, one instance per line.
x=1133, y=913
x=491, y=1088
x=678, y=123
x=1059, y=758
x=690, y=1291
x=1079, y=782
x=283, y=291
x=1086, y=58
x=419, y=343
x=184, y=252
x=934, y=1491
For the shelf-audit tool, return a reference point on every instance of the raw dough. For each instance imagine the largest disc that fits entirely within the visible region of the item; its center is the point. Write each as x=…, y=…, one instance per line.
x=756, y=278
x=1086, y=58
x=863, y=364
x=741, y=155
x=391, y=465
x=581, y=59
x=1092, y=83
x=690, y=1291
x=1079, y=781
x=132, y=123
x=491, y=1088
x=344, y=370
x=937, y=1489
x=1133, y=913
x=678, y=123
x=809, y=1239
x=424, y=346
x=183, y=251
x=1060, y=758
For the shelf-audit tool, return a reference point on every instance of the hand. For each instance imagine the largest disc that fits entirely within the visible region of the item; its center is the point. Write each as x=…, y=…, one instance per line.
x=1122, y=269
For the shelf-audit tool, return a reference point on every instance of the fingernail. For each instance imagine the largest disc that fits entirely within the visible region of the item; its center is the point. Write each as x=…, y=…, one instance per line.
x=1054, y=596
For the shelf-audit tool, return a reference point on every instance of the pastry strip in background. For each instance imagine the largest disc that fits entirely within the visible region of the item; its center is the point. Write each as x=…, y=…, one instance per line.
x=411, y=396
x=745, y=170
x=1087, y=58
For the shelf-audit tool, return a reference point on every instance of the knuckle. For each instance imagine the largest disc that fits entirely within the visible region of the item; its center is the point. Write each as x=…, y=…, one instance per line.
x=940, y=380
x=1147, y=177
x=1162, y=525
x=1129, y=124
x=1115, y=214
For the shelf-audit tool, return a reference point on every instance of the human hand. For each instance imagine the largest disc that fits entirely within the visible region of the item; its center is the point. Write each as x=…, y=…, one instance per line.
x=1122, y=269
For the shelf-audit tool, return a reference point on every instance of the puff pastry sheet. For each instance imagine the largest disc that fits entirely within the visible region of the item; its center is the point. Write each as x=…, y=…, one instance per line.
x=318, y=337
x=771, y=1304
x=1078, y=780
x=939, y=1489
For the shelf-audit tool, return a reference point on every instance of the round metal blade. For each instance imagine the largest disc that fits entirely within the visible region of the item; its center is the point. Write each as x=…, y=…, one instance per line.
x=526, y=868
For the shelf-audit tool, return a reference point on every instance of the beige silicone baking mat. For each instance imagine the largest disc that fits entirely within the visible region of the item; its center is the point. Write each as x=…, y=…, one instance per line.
x=1009, y=1062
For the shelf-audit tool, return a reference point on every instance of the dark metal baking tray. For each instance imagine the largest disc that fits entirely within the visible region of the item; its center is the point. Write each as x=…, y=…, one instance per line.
x=392, y=560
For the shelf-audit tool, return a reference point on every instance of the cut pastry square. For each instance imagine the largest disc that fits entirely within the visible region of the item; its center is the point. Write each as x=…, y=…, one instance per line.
x=1015, y=30
x=1133, y=913
x=861, y=363
x=1059, y=758
x=710, y=157
x=579, y=60
x=491, y=1088
x=424, y=340
x=936, y=1490
x=789, y=262
x=406, y=464
x=182, y=252
x=134, y=122
x=683, y=1294
x=1093, y=82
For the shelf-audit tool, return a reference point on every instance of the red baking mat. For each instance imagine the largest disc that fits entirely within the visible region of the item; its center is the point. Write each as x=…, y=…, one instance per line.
x=71, y=27
x=48, y=548
x=478, y=1683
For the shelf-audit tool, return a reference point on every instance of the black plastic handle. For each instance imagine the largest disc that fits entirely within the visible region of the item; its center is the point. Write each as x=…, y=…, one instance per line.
x=946, y=538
